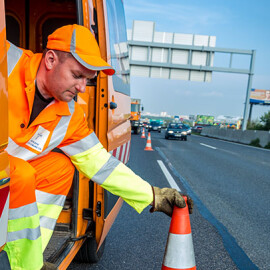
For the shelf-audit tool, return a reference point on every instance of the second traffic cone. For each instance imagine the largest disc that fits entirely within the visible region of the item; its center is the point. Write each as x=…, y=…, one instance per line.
x=148, y=146
x=179, y=253
x=143, y=134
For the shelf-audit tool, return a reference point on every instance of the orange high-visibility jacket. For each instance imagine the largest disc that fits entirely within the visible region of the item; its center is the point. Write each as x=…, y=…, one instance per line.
x=63, y=125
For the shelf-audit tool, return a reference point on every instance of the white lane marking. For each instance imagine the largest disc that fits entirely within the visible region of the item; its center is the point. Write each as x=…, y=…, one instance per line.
x=168, y=175
x=208, y=146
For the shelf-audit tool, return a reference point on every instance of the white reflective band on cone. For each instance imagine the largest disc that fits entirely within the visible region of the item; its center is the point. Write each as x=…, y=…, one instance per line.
x=179, y=252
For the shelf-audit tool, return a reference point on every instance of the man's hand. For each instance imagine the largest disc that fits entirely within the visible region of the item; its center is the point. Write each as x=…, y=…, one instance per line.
x=166, y=198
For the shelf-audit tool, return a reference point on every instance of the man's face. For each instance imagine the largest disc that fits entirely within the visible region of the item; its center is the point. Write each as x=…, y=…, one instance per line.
x=66, y=79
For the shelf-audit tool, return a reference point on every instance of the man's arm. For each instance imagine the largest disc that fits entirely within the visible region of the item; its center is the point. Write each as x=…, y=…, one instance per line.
x=93, y=161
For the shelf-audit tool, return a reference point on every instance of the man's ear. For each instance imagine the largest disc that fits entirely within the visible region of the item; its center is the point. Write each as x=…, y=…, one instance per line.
x=50, y=59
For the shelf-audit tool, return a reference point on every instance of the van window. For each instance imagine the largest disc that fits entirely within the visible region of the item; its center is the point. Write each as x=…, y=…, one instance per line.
x=13, y=33
x=118, y=45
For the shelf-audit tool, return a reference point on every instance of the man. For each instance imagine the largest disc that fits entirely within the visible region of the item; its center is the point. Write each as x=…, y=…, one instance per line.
x=42, y=116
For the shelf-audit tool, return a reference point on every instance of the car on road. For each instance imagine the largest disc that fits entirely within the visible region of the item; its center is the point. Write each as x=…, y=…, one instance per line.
x=188, y=128
x=145, y=125
x=154, y=126
x=176, y=131
x=197, y=129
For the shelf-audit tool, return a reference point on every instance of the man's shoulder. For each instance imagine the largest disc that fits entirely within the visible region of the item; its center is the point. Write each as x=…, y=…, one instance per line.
x=11, y=48
x=15, y=56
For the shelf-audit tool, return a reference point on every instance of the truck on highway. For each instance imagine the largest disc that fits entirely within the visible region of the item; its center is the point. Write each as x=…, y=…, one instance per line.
x=136, y=115
x=89, y=210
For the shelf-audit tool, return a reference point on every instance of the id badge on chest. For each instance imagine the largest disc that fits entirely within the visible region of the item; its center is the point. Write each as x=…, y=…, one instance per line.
x=39, y=139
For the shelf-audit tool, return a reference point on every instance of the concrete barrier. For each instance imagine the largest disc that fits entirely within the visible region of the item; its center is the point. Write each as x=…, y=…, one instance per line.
x=239, y=136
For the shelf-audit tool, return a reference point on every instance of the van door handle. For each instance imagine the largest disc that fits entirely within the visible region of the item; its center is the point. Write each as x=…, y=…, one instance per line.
x=113, y=105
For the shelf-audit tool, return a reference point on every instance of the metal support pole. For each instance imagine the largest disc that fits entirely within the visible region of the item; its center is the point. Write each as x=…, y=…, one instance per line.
x=231, y=57
x=149, y=59
x=250, y=112
x=250, y=77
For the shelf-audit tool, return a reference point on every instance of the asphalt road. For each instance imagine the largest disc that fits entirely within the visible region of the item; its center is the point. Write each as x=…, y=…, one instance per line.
x=230, y=224
x=233, y=182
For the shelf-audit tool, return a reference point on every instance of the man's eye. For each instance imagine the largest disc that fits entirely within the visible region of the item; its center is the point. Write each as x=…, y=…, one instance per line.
x=77, y=76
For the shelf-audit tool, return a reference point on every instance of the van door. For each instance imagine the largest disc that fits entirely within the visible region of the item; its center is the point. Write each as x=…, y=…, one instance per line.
x=111, y=124
x=119, y=129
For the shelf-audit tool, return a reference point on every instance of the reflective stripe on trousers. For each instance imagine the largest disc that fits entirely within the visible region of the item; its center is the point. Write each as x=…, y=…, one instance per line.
x=37, y=194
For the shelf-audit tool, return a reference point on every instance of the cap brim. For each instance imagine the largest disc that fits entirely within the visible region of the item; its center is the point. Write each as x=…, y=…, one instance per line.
x=94, y=63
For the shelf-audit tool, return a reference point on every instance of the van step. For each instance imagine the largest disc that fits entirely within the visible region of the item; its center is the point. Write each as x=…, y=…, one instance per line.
x=58, y=240
x=62, y=227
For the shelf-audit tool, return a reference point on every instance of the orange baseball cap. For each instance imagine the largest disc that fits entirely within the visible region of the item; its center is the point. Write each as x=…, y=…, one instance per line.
x=80, y=42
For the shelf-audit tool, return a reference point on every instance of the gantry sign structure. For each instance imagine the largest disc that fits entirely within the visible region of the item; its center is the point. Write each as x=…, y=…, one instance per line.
x=182, y=56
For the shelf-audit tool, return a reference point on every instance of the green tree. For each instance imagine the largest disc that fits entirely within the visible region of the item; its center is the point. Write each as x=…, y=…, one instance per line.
x=265, y=120
x=255, y=125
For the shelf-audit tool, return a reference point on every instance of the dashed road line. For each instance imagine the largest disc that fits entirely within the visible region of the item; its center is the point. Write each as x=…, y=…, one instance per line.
x=168, y=175
x=208, y=145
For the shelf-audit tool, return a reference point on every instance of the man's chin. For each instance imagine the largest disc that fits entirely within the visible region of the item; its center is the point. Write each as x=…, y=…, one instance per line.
x=67, y=98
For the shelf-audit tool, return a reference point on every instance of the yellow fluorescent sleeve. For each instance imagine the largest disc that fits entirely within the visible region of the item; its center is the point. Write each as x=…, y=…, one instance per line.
x=91, y=161
x=133, y=189
x=121, y=181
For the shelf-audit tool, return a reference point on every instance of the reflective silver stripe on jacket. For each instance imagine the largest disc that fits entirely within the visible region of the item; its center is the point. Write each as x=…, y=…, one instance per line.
x=47, y=198
x=47, y=222
x=31, y=234
x=13, y=56
x=28, y=210
x=20, y=152
x=57, y=137
x=106, y=170
x=81, y=145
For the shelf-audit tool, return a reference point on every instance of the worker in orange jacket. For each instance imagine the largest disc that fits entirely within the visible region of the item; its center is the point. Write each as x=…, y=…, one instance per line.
x=43, y=115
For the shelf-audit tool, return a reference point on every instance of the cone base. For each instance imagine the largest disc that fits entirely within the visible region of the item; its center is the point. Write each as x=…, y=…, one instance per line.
x=148, y=149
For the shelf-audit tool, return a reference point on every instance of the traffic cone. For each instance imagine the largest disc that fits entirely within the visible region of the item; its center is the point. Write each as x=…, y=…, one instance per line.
x=179, y=253
x=143, y=134
x=148, y=146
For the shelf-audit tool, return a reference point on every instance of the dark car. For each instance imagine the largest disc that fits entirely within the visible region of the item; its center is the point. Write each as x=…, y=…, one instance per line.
x=154, y=126
x=176, y=131
x=197, y=129
x=187, y=128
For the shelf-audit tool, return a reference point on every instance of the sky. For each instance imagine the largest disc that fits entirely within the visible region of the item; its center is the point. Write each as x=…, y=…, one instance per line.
x=237, y=24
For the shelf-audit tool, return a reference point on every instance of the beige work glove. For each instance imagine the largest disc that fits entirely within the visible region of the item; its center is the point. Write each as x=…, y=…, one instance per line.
x=166, y=198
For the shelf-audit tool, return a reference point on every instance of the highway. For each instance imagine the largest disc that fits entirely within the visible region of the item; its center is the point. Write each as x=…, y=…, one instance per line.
x=230, y=185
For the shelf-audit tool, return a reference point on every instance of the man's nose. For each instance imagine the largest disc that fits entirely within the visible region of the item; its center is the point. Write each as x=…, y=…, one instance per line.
x=81, y=84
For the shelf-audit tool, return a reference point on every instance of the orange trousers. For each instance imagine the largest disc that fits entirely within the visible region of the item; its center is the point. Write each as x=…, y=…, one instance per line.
x=37, y=193
x=52, y=173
